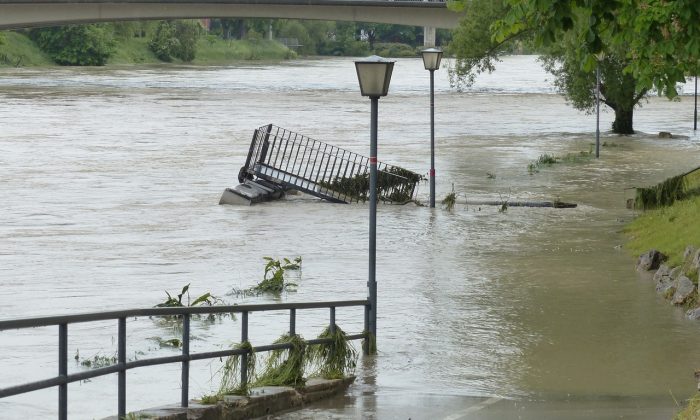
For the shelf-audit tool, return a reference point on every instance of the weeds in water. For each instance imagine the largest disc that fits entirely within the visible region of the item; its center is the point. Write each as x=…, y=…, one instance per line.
x=449, y=201
x=175, y=343
x=171, y=302
x=549, y=160
x=336, y=359
x=285, y=367
x=97, y=361
x=274, y=280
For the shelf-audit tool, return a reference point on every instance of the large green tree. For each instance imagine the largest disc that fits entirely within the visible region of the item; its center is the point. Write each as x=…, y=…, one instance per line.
x=176, y=39
x=661, y=37
x=478, y=45
x=76, y=45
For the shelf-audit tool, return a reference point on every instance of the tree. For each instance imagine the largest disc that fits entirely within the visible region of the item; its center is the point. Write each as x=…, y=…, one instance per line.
x=477, y=43
x=175, y=39
x=661, y=37
x=76, y=45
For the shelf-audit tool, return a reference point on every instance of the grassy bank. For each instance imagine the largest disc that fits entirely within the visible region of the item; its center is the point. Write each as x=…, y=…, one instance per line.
x=668, y=229
x=18, y=50
x=691, y=411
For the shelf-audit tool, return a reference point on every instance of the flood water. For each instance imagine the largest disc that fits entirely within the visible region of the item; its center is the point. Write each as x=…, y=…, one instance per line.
x=109, y=188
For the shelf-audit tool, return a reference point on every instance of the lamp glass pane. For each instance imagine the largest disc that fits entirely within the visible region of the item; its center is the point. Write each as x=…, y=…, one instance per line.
x=432, y=58
x=372, y=77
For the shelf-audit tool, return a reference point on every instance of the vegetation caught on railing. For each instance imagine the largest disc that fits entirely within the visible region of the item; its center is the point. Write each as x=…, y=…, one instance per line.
x=336, y=359
x=285, y=367
x=291, y=366
x=394, y=184
x=669, y=191
x=231, y=375
x=274, y=280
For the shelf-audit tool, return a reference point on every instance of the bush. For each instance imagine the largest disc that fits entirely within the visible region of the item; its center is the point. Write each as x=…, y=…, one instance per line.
x=393, y=49
x=76, y=45
x=175, y=39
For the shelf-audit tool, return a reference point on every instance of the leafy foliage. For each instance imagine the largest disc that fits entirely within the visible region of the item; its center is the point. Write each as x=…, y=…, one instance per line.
x=274, y=280
x=449, y=201
x=170, y=301
x=659, y=38
x=76, y=45
x=478, y=45
x=176, y=39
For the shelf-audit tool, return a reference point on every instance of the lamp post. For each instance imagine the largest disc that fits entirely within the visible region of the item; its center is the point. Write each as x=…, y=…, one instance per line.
x=597, y=111
x=695, y=111
x=431, y=61
x=374, y=75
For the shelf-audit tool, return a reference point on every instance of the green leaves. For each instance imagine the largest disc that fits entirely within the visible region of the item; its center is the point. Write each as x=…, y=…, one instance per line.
x=176, y=39
x=76, y=45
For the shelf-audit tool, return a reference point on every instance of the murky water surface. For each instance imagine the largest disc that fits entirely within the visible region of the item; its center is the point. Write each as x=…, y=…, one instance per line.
x=110, y=180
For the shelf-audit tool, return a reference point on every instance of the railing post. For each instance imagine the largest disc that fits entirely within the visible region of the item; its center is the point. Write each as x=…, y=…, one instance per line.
x=331, y=327
x=292, y=322
x=121, y=361
x=184, y=400
x=63, y=371
x=366, y=342
x=244, y=357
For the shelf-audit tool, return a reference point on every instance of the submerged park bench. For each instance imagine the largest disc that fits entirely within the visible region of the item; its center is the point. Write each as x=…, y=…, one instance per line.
x=280, y=160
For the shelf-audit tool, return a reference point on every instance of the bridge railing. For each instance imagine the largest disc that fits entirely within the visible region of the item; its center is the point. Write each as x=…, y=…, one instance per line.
x=323, y=169
x=122, y=366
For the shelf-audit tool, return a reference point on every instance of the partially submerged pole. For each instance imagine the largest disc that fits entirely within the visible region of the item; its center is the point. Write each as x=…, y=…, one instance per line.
x=597, y=111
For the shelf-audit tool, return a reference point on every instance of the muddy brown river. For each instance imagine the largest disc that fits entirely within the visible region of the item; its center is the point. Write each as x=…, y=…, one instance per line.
x=109, y=184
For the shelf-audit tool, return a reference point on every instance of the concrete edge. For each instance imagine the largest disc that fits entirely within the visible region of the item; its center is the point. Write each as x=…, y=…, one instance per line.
x=261, y=402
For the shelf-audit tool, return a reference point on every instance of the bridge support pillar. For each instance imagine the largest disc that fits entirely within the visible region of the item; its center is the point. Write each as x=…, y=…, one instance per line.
x=428, y=36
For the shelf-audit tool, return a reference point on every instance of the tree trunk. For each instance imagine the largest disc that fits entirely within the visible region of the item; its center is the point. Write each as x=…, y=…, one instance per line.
x=623, y=121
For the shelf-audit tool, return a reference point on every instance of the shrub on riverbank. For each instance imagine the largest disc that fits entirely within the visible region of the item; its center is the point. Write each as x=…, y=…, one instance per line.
x=18, y=50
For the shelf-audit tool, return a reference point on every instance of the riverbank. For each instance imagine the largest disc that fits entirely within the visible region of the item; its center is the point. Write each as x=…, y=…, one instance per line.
x=675, y=233
x=669, y=230
x=18, y=50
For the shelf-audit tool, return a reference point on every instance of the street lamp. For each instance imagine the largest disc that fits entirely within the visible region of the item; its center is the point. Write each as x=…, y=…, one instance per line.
x=431, y=61
x=374, y=75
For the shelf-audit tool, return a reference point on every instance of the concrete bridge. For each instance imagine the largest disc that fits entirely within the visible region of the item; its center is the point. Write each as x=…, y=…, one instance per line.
x=36, y=13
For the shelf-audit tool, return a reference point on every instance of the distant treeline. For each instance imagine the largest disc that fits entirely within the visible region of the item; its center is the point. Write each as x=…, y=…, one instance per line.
x=209, y=40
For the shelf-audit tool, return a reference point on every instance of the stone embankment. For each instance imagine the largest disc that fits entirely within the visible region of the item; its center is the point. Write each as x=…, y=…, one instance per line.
x=679, y=284
x=261, y=402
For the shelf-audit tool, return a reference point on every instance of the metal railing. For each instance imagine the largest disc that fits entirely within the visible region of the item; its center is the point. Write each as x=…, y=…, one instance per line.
x=320, y=169
x=122, y=366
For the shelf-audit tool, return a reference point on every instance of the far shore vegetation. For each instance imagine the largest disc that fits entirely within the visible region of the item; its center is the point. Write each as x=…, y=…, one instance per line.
x=204, y=42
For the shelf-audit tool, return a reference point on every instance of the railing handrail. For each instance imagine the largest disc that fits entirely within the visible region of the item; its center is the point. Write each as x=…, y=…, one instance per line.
x=324, y=165
x=122, y=366
x=168, y=311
